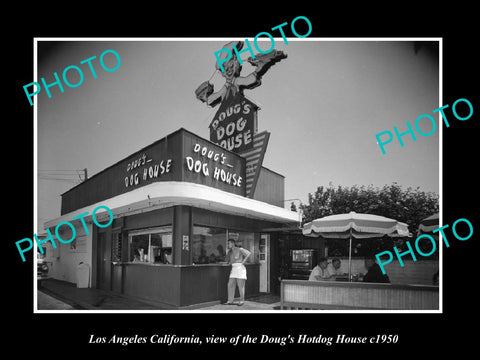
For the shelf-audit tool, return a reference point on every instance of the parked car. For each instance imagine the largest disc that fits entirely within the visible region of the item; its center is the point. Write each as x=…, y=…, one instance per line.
x=42, y=266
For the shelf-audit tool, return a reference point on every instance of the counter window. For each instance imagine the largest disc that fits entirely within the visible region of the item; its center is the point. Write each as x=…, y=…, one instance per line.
x=152, y=246
x=208, y=245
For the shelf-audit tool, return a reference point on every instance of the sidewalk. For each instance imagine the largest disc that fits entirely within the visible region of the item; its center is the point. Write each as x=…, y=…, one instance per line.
x=70, y=298
x=91, y=299
x=248, y=305
x=260, y=302
x=47, y=302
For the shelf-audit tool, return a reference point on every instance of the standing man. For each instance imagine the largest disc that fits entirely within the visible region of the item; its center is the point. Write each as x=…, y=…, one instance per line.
x=238, y=275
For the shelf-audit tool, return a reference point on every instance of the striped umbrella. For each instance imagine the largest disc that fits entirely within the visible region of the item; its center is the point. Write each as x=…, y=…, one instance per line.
x=429, y=224
x=359, y=226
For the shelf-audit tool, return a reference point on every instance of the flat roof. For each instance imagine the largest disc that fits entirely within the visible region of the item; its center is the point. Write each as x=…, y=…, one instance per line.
x=170, y=193
x=276, y=173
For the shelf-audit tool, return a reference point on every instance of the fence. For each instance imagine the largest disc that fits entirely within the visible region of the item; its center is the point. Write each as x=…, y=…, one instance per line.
x=325, y=295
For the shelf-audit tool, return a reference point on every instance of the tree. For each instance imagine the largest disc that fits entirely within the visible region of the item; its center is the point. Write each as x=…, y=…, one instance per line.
x=409, y=206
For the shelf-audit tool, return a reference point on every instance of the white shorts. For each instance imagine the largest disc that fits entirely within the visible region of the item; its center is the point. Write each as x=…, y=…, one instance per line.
x=239, y=271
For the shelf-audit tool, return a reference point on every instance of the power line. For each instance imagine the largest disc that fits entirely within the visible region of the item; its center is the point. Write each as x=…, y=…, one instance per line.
x=58, y=174
x=57, y=177
x=60, y=179
x=64, y=175
x=72, y=170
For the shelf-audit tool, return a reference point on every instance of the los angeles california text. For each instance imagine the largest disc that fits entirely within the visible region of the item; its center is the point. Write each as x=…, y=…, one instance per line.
x=172, y=339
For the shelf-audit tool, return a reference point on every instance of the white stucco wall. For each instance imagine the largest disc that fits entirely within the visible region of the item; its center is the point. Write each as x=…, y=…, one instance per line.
x=64, y=260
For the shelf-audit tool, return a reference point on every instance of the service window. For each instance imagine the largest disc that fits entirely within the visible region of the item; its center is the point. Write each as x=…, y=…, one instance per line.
x=209, y=245
x=151, y=246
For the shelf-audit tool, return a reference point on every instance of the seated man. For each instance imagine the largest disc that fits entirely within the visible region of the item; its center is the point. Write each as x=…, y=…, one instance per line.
x=374, y=274
x=334, y=269
x=320, y=272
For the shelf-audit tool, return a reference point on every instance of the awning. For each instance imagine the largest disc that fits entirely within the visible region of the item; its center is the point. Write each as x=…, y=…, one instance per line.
x=166, y=194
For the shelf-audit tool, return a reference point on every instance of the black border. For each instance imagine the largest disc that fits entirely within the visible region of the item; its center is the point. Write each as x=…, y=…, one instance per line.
x=419, y=333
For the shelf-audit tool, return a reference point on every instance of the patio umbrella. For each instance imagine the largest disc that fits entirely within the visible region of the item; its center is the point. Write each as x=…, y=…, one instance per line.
x=429, y=224
x=360, y=226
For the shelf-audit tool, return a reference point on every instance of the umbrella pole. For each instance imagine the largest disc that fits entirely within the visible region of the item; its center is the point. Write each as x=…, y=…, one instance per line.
x=350, y=258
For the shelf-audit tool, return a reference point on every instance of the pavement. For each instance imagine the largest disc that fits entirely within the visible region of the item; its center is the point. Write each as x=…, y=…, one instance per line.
x=89, y=299
x=260, y=302
x=247, y=305
x=60, y=295
x=47, y=302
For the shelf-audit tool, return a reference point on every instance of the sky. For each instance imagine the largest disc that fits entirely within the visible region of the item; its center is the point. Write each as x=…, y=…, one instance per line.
x=323, y=106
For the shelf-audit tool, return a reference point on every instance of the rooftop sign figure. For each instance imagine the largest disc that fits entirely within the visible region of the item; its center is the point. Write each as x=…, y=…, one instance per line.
x=231, y=65
x=234, y=126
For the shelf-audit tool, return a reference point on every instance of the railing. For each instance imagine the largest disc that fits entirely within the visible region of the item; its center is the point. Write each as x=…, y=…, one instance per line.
x=325, y=295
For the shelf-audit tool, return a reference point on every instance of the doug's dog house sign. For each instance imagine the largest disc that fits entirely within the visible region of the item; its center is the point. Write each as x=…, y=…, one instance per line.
x=235, y=126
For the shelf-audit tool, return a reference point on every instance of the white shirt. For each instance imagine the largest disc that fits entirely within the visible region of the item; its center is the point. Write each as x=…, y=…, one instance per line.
x=333, y=271
x=318, y=271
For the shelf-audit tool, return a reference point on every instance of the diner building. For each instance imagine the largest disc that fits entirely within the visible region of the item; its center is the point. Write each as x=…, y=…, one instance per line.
x=175, y=203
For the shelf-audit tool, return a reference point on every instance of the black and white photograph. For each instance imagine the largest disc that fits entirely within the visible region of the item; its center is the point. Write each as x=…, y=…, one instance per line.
x=268, y=187
x=238, y=181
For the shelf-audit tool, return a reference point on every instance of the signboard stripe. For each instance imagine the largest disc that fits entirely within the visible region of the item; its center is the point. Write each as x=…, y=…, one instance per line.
x=252, y=161
x=256, y=146
x=258, y=138
x=253, y=157
x=254, y=151
x=263, y=142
